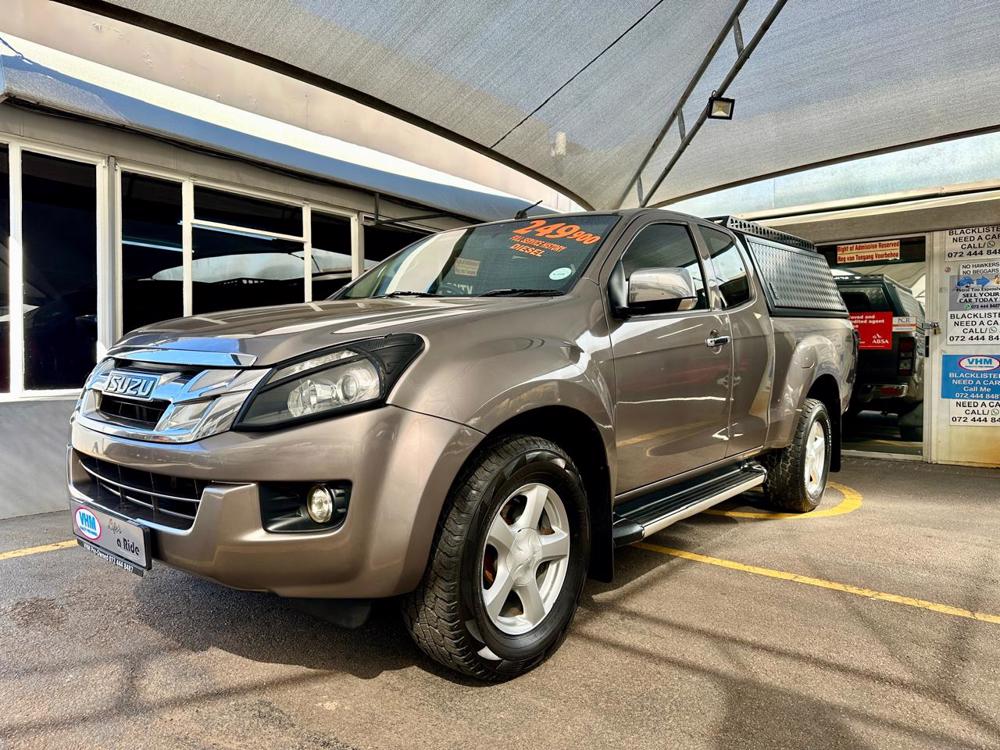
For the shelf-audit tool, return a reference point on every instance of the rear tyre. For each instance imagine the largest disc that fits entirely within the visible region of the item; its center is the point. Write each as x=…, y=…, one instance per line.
x=508, y=564
x=797, y=475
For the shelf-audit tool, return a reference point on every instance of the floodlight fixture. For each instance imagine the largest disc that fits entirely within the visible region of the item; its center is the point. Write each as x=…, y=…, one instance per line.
x=720, y=107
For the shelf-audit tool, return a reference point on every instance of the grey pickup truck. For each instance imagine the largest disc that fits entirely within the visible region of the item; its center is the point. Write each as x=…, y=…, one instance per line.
x=473, y=425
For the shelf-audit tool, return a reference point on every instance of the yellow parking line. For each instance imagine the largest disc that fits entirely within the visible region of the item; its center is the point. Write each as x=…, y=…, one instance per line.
x=851, y=502
x=846, y=588
x=24, y=551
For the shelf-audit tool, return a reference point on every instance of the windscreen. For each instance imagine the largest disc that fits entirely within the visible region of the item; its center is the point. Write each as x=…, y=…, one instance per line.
x=529, y=257
x=865, y=299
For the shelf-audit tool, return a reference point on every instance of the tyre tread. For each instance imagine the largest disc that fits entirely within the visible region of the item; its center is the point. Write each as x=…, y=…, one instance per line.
x=784, y=487
x=431, y=612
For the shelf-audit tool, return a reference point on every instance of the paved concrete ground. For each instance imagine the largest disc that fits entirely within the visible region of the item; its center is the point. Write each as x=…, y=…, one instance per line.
x=875, y=432
x=677, y=653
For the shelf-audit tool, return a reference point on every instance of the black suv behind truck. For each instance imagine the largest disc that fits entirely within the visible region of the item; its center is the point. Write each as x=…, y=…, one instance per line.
x=891, y=379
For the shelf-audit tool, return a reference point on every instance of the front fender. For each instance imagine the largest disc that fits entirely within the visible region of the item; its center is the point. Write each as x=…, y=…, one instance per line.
x=486, y=384
x=588, y=394
x=523, y=358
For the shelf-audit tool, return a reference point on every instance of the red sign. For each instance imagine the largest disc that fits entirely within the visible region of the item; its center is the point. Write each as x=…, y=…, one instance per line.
x=868, y=252
x=874, y=329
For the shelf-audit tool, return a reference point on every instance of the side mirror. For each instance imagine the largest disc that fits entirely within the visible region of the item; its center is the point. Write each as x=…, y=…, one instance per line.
x=657, y=290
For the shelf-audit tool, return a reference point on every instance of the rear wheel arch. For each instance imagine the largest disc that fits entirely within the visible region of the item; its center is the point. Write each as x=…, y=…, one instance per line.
x=797, y=474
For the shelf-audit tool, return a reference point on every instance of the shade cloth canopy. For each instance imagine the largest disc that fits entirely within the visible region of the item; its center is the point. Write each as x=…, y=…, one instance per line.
x=605, y=100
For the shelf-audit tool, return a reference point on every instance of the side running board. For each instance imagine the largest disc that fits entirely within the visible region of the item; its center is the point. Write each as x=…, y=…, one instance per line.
x=636, y=519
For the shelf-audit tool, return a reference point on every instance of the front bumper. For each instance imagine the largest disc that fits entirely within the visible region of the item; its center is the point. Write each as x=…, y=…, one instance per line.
x=400, y=464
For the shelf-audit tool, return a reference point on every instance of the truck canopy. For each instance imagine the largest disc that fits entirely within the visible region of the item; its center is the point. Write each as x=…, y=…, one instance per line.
x=796, y=279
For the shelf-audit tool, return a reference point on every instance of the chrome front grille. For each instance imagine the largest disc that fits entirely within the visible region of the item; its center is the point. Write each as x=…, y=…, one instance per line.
x=142, y=495
x=161, y=402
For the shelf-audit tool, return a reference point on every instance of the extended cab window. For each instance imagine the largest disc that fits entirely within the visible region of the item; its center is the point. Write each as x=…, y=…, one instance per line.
x=666, y=246
x=730, y=272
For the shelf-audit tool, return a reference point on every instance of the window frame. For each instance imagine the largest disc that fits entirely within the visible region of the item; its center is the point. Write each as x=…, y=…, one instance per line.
x=107, y=229
x=189, y=223
x=710, y=291
x=355, y=234
x=16, y=146
x=370, y=222
x=748, y=266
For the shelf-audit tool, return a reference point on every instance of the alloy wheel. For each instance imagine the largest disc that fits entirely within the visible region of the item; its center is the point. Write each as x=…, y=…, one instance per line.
x=525, y=558
x=815, y=459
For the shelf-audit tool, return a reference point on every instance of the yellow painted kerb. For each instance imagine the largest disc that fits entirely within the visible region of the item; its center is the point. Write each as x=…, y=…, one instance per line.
x=846, y=588
x=23, y=552
x=851, y=501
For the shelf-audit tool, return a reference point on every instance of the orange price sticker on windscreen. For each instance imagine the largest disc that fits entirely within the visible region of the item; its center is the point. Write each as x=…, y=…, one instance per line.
x=534, y=246
x=558, y=230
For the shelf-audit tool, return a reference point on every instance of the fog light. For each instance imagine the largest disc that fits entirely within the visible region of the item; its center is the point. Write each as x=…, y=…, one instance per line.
x=320, y=504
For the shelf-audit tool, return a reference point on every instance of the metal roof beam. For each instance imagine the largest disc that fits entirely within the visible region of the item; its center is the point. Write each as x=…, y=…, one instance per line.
x=677, y=113
x=721, y=90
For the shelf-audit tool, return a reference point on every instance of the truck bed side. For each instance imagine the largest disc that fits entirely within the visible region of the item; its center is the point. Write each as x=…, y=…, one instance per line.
x=807, y=350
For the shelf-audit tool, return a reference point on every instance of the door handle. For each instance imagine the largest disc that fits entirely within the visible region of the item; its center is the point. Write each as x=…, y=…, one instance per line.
x=715, y=341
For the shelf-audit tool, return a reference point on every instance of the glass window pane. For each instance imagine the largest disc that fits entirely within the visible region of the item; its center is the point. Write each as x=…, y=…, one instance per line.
x=383, y=241
x=59, y=217
x=331, y=253
x=535, y=255
x=865, y=299
x=729, y=269
x=4, y=265
x=152, y=260
x=666, y=246
x=232, y=270
x=241, y=211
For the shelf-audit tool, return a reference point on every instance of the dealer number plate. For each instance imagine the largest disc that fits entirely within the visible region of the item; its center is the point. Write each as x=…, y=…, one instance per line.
x=116, y=540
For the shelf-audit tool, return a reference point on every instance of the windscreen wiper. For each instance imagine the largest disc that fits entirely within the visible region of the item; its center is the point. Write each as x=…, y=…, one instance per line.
x=521, y=293
x=404, y=294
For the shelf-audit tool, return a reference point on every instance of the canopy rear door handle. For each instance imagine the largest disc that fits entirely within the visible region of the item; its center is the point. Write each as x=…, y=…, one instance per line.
x=715, y=341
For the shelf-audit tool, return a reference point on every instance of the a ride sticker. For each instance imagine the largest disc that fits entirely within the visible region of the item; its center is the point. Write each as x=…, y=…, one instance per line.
x=561, y=273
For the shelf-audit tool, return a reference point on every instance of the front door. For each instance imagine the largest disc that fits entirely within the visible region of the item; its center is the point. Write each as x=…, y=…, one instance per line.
x=672, y=394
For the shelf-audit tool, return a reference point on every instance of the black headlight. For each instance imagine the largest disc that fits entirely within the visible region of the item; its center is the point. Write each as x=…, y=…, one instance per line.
x=333, y=381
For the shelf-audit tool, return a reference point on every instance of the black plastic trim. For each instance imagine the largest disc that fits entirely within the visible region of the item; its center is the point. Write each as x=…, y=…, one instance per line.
x=802, y=312
x=282, y=506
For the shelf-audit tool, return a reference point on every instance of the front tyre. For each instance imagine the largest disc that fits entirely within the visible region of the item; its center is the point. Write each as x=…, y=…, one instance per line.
x=509, y=562
x=797, y=475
